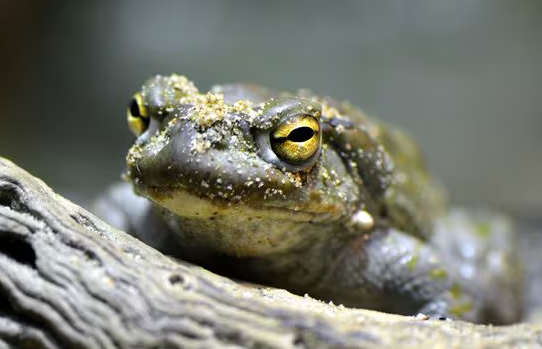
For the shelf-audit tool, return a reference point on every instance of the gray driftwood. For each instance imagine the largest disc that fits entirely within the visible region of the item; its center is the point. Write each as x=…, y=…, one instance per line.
x=68, y=280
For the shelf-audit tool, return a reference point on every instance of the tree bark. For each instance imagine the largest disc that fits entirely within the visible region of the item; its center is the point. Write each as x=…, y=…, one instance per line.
x=68, y=280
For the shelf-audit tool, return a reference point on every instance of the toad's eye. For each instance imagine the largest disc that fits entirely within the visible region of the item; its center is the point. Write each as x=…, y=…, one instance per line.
x=297, y=139
x=137, y=114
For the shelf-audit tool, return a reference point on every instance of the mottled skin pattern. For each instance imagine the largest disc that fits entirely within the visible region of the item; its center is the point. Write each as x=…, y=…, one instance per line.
x=355, y=219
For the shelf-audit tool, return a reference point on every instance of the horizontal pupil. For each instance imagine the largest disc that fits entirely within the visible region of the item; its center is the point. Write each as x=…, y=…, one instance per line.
x=301, y=134
x=134, y=108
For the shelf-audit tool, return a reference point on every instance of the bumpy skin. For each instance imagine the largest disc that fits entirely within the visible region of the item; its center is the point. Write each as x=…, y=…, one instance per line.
x=358, y=222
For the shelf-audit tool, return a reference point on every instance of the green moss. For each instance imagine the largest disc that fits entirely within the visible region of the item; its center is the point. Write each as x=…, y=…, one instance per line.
x=439, y=274
x=413, y=263
x=483, y=229
x=456, y=291
x=461, y=309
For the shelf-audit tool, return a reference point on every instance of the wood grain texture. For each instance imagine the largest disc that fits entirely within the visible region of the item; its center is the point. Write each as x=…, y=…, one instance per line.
x=68, y=280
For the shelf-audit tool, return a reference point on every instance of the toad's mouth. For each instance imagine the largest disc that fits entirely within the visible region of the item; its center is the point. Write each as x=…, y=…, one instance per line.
x=185, y=204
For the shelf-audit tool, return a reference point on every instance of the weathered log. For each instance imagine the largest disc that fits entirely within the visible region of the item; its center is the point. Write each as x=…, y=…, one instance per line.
x=68, y=280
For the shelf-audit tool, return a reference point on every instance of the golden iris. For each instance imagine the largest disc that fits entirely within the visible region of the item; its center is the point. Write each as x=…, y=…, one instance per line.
x=297, y=139
x=137, y=115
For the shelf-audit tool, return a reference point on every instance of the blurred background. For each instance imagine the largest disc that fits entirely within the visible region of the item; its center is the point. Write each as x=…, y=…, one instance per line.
x=464, y=77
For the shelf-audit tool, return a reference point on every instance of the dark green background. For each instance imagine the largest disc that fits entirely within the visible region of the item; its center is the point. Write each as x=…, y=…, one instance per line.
x=464, y=77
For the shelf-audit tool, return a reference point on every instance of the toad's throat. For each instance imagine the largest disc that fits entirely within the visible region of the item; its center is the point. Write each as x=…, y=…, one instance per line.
x=239, y=230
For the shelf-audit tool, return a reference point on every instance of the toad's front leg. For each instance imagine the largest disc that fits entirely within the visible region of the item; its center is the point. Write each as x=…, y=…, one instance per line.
x=388, y=270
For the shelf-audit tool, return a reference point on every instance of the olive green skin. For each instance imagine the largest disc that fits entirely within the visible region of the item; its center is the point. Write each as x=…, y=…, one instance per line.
x=360, y=223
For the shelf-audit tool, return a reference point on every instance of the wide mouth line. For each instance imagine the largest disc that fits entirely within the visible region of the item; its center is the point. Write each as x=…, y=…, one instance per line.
x=178, y=194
